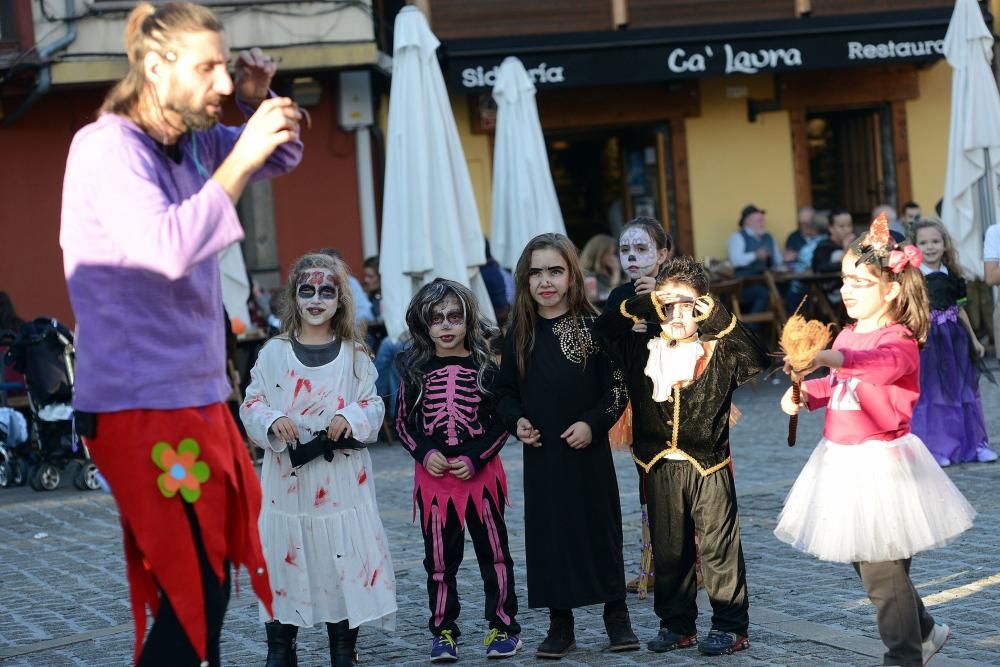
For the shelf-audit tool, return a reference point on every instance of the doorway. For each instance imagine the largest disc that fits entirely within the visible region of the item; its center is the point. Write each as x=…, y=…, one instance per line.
x=605, y=177
x=851, y=160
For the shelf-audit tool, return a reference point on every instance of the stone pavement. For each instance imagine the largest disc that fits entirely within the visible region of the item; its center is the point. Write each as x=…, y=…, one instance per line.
x=63, y=595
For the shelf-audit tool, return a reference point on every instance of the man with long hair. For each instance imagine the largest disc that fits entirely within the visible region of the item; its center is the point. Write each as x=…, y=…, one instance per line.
x=148, y=203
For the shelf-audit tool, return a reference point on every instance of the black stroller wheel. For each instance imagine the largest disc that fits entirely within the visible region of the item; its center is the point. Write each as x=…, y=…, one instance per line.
x=18, y=476
x=46, y=478
x=6, y=474
x=86, y=478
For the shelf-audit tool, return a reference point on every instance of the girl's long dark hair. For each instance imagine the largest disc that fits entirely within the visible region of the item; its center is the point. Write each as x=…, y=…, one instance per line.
x=525, y=310
x=478, y=334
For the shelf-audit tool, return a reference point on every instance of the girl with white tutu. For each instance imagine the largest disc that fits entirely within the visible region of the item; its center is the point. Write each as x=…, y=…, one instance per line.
x=872, y=494
x=323, y=540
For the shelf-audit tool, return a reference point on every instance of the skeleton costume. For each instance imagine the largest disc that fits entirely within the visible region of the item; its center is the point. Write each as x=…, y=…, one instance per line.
x=450, y=415
x=572, y=510
x=682, y=393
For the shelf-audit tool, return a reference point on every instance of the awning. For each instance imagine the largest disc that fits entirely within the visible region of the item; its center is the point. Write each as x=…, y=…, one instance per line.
x=663, y=54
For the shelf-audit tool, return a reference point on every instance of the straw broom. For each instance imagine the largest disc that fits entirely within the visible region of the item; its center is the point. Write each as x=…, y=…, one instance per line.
x=801, y=339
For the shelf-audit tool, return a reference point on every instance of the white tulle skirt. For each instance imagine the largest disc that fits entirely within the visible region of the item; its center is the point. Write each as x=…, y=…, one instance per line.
x=872, y=502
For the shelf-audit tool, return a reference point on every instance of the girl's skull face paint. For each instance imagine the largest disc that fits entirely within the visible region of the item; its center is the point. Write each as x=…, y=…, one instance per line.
x=637, y=253
x=317, y=296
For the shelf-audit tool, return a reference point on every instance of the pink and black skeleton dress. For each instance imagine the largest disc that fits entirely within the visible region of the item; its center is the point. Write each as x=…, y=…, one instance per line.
x=449, y=414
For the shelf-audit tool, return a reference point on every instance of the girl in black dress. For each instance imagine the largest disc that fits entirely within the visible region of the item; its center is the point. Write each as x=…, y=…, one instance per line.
x=559, y=394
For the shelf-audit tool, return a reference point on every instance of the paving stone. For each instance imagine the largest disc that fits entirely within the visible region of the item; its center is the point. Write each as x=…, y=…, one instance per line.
x=63, y=597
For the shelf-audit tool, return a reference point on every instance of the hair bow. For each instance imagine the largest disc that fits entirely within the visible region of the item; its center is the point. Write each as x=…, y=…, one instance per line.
x=898, y=259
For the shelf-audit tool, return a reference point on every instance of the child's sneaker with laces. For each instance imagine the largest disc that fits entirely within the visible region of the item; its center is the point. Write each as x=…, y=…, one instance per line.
x=444, y=648
x=501, y=644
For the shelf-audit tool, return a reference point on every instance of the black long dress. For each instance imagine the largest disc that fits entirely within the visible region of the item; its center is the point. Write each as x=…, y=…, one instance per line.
x=572, y=510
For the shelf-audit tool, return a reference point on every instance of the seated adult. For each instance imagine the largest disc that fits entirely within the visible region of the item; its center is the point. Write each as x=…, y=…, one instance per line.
x=829, y=253
x=601, y=268
x=798, y=238
x=752, y=251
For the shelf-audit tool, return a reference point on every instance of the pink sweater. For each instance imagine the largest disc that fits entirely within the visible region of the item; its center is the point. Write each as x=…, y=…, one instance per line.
x=872, y=396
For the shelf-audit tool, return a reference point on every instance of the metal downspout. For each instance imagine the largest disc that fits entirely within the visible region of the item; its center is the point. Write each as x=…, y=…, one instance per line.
x=43, y=80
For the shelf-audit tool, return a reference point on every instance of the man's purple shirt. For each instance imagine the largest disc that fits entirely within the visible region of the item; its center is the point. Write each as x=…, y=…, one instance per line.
x=140, y=237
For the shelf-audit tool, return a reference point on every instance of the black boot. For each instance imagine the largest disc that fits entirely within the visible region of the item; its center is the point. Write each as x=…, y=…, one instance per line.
x=343, y=640
x=281, y=644
x=619, y=627
x=560, y=639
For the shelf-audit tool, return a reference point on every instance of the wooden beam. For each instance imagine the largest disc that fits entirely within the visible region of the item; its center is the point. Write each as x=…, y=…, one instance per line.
x=832, y=89
x=901, y=148
x=683, y=234
x=800, y=158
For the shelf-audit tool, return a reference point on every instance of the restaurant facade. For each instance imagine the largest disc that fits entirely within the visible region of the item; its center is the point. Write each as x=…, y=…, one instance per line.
x=690, y=110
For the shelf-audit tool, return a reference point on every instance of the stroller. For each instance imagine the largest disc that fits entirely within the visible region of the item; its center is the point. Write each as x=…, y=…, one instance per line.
x=43, y=351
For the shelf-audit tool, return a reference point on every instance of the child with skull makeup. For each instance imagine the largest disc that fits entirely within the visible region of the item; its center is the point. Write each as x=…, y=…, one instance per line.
x=643, y=248
x=447, y=421
x=323, y=540
x=681, y=377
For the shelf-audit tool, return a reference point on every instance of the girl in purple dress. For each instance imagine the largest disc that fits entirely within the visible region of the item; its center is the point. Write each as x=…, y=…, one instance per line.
x=949, y=415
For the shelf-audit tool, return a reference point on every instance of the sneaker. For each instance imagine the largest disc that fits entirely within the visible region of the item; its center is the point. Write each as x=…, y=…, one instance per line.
x=943, y=461
x=935, y=640
x=723, y=643
x=444, y=648
x=986, y=455
x=501, y=644
x=667, y=640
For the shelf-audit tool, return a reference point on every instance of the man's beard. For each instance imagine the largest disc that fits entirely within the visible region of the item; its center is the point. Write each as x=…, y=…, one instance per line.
x=194, y=119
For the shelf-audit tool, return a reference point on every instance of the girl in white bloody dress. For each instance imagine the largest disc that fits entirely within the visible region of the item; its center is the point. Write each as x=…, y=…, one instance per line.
x=324, y=543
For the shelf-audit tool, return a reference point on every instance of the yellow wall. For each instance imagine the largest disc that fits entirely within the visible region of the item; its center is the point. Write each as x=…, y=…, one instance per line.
x=733, y=162
x=927, y=119
x=479, y=158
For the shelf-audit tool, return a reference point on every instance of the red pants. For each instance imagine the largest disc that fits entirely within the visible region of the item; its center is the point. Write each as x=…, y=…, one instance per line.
x=160, y=548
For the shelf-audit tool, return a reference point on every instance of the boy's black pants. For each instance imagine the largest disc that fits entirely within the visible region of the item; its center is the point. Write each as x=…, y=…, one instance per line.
x=444, y=547
x=680, y=501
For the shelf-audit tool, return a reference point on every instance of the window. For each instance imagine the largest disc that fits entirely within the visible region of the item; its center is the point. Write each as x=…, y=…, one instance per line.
x=8, y=28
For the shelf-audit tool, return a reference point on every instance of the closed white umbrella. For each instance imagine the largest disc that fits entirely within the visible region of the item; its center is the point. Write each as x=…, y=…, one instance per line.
x=974, y=136
x=524, y=198
x=430, y=224
x=235, y=285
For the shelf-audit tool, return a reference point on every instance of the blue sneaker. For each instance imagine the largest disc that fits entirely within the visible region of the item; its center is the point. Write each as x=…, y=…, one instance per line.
x=444, y=648
x=500, y=644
